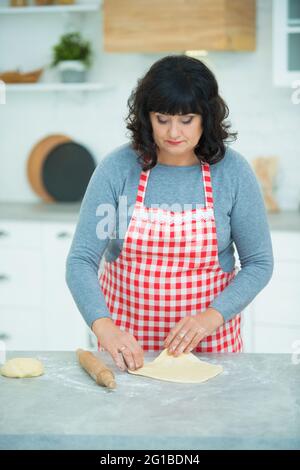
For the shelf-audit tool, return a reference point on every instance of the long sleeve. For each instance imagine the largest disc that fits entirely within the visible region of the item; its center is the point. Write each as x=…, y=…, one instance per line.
x=88, y=247
x=240, y=213
x=251, y=235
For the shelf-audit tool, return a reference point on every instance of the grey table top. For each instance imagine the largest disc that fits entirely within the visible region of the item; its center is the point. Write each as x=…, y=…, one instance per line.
x=253, y=404
x=68, y=212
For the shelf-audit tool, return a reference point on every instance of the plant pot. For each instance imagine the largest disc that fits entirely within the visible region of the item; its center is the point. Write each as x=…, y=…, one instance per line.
x=72, y=71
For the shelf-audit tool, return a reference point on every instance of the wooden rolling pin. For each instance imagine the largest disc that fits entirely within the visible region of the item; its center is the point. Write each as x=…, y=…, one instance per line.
x=96, y=368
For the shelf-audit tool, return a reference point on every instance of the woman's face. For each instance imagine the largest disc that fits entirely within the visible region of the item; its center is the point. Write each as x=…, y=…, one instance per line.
x=186, y=129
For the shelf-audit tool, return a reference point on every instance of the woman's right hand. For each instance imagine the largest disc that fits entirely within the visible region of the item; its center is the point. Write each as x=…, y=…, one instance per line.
x=121, y=345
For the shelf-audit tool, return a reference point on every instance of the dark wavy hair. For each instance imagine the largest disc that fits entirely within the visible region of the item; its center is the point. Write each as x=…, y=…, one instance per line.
x=178, y=84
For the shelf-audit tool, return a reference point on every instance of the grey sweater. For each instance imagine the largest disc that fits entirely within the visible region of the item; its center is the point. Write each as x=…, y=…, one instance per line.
x=239, y=213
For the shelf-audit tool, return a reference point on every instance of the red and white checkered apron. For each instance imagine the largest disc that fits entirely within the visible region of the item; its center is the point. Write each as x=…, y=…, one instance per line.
x=168, y=269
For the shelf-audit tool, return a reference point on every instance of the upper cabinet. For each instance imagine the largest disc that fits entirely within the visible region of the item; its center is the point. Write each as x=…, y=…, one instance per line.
x=179, y=25
x=286, y=42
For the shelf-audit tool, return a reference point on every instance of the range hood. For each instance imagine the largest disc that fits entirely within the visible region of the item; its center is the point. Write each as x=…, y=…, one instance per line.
x=179, y=25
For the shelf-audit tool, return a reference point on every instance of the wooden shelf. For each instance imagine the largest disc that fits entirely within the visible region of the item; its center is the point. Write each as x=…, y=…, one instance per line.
x=86, y=86
x=76, y=8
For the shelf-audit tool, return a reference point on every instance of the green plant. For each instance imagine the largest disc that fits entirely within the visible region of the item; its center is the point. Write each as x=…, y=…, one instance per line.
x=72, y=47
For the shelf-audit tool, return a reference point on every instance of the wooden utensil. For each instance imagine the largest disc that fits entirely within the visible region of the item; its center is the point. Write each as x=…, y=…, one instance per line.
x=36, y=161
x=96, y=368
x=266, y=171
x=66, y=171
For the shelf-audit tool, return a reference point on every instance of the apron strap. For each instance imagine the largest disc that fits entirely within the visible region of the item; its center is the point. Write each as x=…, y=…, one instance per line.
x=142, y=186
x=206, y=182
x=209, y=203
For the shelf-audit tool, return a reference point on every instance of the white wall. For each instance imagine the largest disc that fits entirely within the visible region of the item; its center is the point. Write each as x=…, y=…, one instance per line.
x=264, y=116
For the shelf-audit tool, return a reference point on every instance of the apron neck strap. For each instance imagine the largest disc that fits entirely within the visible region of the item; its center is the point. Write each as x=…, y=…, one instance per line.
x=206, y=182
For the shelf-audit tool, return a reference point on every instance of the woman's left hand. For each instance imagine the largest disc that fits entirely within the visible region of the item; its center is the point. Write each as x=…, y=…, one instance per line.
x=189, y=331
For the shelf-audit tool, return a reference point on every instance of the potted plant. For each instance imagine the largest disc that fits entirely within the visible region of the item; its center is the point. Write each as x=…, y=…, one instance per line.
x=72, y=56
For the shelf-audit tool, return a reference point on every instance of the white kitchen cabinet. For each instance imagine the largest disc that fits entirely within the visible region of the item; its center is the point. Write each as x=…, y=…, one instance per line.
x=22, y=329
x=276, y=309
x=276, y=339
x=271, y=323
x=20, y=277
x=21, y=322
x=282, y=295
x=37, y=310
x=64, y=326
x=247, y=329
x=20, y=264
x=247, y=317
x=19, y=234
x=286, y=43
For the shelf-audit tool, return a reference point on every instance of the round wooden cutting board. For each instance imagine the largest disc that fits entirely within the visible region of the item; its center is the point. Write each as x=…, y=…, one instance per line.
x=36, y=162
x=66, y=171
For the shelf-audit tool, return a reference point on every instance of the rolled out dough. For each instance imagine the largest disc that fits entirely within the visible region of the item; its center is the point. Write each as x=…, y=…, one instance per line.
x=20, y=367
x=185, y=368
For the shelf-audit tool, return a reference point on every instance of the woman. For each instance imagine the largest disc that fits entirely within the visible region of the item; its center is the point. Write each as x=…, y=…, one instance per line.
x=169, y=277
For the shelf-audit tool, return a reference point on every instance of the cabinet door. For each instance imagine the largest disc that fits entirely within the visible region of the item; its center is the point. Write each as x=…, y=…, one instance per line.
x=20, y=277
x=177, y=25
x=21, y=315
x=20, y=263
x=22, y=329
x=279, y=302
x=293, y=45
x=276, y=339
x=247, y=316
x=65, y=327
x=247, y=329
x=20, y=234
x=276, y=309
x=286, y=42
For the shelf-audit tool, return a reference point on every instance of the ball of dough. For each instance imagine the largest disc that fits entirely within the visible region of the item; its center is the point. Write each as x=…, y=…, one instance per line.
x=20, y=367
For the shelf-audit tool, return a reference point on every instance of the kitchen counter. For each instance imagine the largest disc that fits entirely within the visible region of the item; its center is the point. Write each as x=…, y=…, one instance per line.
x=68, y=212
x=254, y=404
x=285, y=221
x=40, y=211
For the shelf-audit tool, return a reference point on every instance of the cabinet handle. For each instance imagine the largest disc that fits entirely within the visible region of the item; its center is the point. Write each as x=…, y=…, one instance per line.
x=4, y=337
x=64, y=235
x=4, y=277
x=3, y=234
